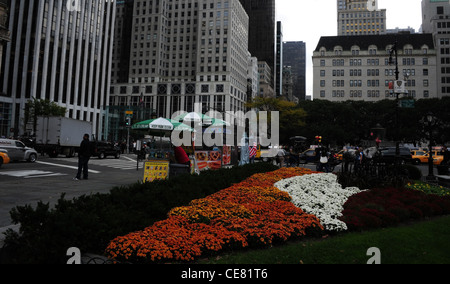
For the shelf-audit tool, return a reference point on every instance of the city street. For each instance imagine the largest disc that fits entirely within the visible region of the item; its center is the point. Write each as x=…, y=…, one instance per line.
x=24, y=183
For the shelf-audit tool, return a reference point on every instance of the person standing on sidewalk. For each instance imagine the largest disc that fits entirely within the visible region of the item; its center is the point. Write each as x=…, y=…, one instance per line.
x=84, y=155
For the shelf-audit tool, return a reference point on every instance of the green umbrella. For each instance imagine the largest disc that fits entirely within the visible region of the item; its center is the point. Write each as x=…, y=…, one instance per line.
x=161, y=125
x=203, y=118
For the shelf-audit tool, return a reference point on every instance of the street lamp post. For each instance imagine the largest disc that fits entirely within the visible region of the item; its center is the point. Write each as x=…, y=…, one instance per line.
x=397, y=143
x=431, y=120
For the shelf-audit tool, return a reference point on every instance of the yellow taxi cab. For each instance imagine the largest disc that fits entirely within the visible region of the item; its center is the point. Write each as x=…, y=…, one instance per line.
x=420, y=156
x=4, y=158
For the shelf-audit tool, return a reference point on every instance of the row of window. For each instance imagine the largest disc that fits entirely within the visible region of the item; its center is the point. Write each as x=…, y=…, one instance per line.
x=175, y=89
x=370, y=94
x=370, y=83
x=376, y=72
x=374, y=62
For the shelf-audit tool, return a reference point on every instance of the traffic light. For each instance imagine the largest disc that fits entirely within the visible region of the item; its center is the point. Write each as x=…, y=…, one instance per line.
x=319, y=139
x=128, y=121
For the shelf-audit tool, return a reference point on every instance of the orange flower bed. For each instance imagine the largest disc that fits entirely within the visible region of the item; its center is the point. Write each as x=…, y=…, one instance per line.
x=250, y=213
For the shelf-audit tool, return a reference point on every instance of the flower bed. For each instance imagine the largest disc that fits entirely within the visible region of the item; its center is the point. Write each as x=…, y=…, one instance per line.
x=248, y=214
x=269, y=208
x=389, y=206
x=428, y=188
x=320, y=195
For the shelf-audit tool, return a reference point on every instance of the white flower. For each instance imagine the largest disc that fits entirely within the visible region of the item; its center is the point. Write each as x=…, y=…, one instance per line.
x=320, y=195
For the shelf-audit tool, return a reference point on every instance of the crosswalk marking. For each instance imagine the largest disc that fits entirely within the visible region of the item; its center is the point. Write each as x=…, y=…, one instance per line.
x=30, y=174
x=65, y=166
x=124, y=163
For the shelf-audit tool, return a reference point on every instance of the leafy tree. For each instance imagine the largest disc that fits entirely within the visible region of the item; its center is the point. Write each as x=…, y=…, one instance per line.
x=39, y=107
x=292, y=117
x=351, y=122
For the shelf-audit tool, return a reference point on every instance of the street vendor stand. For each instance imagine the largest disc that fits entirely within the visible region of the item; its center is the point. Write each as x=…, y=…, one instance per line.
x=158, y=156
x=208, y=158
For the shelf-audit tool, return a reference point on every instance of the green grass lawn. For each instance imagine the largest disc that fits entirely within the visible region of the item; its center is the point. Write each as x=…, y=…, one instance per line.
x=425, y=242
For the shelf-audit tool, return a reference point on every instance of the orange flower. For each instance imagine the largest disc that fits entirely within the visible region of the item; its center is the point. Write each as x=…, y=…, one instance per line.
x=250, y=213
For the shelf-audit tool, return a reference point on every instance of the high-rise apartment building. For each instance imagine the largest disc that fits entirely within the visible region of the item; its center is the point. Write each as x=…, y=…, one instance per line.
x=262, y=32
x=358, y=67
x=294, y=56
x=59, y=50
x=182, y=54
x=436, y=20
x=5, y=115
x=360, y=17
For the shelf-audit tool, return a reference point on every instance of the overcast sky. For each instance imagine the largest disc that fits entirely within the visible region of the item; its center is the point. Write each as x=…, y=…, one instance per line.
x=307, y=21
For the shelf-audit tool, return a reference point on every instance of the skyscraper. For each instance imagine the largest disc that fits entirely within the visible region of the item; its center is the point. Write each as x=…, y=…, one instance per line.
x=182, y=54
x=436, y=20
x=262, y=31
x=360, y=17
x=59, y=50
x=294, y=55
x=279, y=61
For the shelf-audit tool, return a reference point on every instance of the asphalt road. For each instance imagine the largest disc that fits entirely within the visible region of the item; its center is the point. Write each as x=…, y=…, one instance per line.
x=24, y=183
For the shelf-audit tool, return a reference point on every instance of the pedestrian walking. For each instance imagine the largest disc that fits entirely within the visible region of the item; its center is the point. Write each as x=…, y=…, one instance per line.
x=359, y=159
x=323, y=160
x=280, y=157
x=348, y=158
x=84, y=154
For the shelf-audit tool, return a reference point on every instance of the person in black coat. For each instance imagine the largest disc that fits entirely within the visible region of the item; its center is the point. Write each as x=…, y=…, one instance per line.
x=84, y=154
x=446, y=155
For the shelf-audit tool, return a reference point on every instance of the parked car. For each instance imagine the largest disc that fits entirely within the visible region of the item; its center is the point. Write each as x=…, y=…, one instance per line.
x=105, y=149
x=4, y=158
x=17, y=151
x=388, y=155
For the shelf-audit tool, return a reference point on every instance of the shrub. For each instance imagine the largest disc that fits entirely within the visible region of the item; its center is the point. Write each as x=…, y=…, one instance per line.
x=412, y=172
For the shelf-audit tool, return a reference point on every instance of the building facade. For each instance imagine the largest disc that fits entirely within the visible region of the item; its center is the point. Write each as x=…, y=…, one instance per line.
x=288, y=84
x=60, y=51
x=294, y=56
x=262, y=32
x=436, y=20
x=279, y=61
x=360, y=17
x=5, y=116
x=358, y=67
x=265, y=78
x=183, y=56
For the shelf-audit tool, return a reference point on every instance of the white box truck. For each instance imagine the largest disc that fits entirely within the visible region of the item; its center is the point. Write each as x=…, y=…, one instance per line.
x=60, y=135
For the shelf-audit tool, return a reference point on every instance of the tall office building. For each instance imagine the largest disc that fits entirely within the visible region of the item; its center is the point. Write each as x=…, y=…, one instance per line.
x=59, y=50
x=360, y=17
x=279, y=61
x=182, y=54
x=436, y=20
x=294, y=56
x=262, y=32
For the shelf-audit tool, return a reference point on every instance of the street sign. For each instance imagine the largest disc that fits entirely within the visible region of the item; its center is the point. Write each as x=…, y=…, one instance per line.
x=406, y=103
